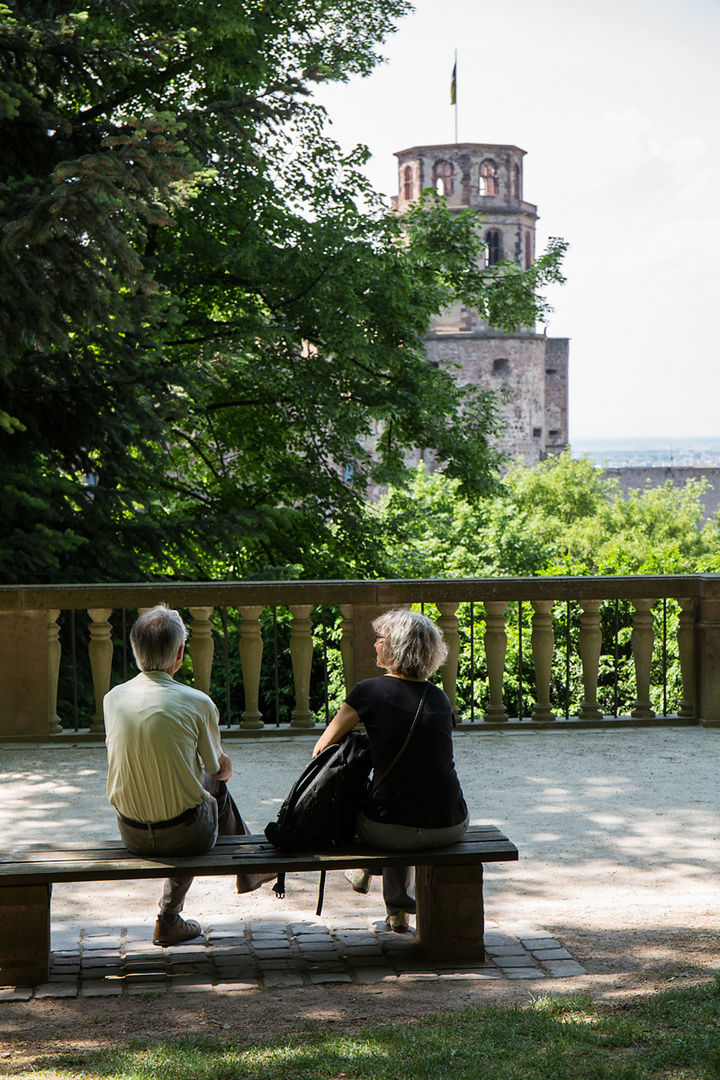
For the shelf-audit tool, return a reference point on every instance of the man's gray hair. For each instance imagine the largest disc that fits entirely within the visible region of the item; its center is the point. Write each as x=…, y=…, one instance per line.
x=156, y=638
x=412, y=645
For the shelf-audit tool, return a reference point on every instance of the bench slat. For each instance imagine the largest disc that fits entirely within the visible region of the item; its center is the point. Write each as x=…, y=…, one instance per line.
x=38, y=864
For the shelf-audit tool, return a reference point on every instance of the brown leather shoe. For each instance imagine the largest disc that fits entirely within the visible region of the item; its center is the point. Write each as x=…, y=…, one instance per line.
x=166, y=933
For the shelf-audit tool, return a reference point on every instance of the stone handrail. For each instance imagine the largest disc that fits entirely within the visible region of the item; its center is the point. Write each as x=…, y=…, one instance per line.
x=30, y=648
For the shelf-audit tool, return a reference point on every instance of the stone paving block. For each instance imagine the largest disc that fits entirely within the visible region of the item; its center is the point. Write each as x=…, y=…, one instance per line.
x=469, y=976
x=278, y=979
x=368, y=975
x=232, y=987
x=552, y=954
x=267, y=926
x=564, y=969
x=275, y=965
x=57, y=990
x=514, y=961
x=15, y=993
x=418, y=976
x=367, y=959
x=506, y=950
x=92, y=940
x=101, y=988
x=525, y=973
x=179, y=952
x=548, y=942
x=191, y=986
x=319, y=977
x=497, y=937
x=98, y=960
x=101, y=972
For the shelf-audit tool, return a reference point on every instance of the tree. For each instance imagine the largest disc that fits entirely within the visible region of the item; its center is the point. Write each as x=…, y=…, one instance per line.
x=205, y=311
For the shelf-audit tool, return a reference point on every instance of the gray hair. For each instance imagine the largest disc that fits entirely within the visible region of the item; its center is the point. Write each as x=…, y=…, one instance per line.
x=412, y=644
x=156, y=638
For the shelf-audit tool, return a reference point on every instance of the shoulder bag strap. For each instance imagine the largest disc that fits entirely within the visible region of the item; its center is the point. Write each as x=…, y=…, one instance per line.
x=404, y=746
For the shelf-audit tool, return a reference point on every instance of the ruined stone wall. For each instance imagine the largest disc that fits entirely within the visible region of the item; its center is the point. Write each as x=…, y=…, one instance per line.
x=556, y=394
x=637, y=477
x=514, y=365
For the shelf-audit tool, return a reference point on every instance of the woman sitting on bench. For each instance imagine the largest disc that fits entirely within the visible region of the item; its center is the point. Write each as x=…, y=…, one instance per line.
x=416, y=800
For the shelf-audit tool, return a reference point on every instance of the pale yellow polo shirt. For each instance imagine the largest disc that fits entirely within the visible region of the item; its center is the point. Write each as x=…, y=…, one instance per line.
x=159, y=735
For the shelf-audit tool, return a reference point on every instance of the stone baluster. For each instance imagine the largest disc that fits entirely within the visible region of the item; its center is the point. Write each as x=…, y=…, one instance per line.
x=251, y=650
x=687, y=657
x=101, y=654
x=301, y=654
x=642, y=639
x=448, y=623
x=347, y=646
x=590, y=647
x=495, y=641
x=543, y=641
x=54, y=651
x=201, y=647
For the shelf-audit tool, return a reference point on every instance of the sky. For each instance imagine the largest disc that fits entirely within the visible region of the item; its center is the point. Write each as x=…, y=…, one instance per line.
x=617, y=104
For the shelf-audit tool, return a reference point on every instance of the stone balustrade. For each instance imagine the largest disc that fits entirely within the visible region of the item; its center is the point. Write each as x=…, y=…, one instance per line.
x=30, y=648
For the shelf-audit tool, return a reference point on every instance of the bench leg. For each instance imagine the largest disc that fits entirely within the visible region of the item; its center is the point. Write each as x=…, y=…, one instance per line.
x=24, y=934
x=450, y=916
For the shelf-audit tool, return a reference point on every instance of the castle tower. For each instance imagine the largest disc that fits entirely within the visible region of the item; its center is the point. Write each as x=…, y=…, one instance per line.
x=531, y=367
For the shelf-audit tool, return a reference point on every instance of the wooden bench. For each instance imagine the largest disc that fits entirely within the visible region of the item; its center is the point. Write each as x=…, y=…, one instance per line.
x=450, y=920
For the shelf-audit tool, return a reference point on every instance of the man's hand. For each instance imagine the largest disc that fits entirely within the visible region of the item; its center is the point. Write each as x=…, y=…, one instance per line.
x=225, y=770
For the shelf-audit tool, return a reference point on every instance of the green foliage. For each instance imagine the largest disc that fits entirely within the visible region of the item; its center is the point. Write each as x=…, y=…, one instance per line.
x=562, y=517
x=205, y=311
x=670, y=1035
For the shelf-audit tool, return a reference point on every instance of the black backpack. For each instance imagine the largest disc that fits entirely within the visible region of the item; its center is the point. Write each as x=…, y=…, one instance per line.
x=320, y=811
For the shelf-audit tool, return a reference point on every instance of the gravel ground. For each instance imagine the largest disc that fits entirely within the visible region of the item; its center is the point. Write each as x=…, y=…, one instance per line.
x=618, y=833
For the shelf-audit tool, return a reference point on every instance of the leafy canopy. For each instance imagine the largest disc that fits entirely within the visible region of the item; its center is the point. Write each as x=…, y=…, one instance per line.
x=207, y=319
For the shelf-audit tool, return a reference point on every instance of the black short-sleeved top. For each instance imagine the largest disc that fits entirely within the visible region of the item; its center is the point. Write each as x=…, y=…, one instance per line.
x=423, y=789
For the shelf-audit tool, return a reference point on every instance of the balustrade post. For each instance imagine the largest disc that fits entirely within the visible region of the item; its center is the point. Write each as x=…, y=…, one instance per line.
x=54, y=651
x=448, y=623
x=590, y=648
x=201, y=647
x=301, y=654
x=686, y=652
x=543, y=641
x=101, y=654
x=642, y=640
x=251, y=650
x=495, y=641
x=347, y=645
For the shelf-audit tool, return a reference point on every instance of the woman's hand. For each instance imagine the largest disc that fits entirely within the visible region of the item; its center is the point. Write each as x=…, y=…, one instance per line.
x=225, y=770
x=343, y=721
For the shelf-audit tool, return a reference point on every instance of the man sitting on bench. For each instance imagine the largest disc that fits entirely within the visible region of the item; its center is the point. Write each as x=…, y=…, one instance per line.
x=166, y=770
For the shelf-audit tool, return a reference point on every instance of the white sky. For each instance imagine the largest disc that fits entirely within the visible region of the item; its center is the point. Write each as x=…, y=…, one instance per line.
x=616, y=103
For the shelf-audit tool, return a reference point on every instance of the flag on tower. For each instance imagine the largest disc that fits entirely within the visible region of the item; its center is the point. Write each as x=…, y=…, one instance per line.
x=453, y=86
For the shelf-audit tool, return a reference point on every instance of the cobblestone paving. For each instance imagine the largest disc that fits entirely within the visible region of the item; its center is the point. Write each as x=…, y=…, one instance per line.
x=110, y=962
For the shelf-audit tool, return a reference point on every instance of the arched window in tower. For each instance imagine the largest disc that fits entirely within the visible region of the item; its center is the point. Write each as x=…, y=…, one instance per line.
x=493, y=239
x=516, y=182
x=408, y=183
x=488, y=178
x=528, y=250
x=443, y=175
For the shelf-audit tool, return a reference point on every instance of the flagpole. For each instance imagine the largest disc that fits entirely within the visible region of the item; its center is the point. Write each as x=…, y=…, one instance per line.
x=456, y=107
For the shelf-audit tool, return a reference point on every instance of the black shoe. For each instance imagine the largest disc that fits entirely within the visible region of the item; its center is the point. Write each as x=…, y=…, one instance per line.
x=167, y=933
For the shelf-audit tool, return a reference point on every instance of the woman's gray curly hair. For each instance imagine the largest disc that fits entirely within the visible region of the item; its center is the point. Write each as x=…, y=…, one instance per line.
x=412, y=645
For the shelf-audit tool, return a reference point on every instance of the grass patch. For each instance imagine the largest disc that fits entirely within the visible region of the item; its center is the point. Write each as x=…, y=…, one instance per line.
x=670, y=1036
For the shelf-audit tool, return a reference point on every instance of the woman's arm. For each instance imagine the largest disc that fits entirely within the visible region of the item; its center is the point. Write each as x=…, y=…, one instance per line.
x=343, y=721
